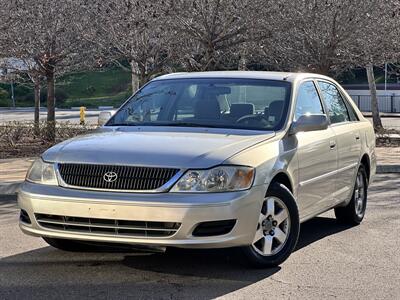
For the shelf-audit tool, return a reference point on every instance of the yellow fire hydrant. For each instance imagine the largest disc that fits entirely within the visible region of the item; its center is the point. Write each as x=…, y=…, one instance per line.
x=82, y=113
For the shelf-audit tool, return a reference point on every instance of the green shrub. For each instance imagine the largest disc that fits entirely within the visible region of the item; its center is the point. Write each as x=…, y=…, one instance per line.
x=21, y=91
x=4, y=94
x=28, y=98
x=60, y=95
x=5, y=103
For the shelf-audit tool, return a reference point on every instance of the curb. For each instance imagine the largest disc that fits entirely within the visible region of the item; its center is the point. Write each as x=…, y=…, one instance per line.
x=382, y=169
x=382, y=115
x=8, y=198
x=12, y=188
x=9, y=188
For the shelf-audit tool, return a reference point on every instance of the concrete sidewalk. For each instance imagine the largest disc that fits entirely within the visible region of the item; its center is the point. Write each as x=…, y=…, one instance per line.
x=12, y=171
x=388, y=159
x=12, y=174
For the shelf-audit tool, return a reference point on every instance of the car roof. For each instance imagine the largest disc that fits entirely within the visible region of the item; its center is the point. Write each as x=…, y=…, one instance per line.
x=287, y=76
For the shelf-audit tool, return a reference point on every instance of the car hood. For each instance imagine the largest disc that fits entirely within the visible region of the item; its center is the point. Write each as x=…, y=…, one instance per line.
x=156, y=146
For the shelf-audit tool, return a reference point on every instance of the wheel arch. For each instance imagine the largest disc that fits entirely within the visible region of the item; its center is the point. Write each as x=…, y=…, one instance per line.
x=282, y=178
x=365, y=161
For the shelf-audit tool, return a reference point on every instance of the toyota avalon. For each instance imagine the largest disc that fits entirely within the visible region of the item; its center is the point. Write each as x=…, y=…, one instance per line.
x=207, y=160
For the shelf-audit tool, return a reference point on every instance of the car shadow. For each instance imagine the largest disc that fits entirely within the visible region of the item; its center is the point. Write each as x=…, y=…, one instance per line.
x=201, y=262
x=318, y=228
x=199, y=274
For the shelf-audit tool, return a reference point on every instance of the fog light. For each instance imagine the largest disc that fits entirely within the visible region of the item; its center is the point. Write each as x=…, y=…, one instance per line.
x=24, y=217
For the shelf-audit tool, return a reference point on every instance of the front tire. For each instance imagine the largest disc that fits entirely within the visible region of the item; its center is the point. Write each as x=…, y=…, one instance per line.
x=277, y=229
x=353, y=213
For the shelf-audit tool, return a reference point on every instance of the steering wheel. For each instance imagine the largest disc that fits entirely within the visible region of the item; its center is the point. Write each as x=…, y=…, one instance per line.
x=250, y=119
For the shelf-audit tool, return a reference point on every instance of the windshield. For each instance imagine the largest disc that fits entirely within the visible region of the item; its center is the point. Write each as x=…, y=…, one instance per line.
x=213, y=102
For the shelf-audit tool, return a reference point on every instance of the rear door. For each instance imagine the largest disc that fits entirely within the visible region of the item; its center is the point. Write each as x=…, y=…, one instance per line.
x=317, y=156
x=344, y=124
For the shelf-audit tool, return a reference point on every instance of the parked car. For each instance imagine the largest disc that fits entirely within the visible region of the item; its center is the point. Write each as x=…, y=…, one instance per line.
x=207, y=160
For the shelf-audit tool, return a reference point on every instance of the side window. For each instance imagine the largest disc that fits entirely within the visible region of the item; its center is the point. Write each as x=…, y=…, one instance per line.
x=308, y=101
x=350, y=109
x=337, y=109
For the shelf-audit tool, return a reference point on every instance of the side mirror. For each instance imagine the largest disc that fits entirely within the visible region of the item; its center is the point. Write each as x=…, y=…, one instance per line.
x=104, y=116
x=309, y=123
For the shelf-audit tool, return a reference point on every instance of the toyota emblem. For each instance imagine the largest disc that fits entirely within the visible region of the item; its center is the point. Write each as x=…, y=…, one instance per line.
x=110, y=177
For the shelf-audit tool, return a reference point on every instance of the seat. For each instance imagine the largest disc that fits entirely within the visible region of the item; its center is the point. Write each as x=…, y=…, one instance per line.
x=275, y=111
x=207, y=108
x=239, y=110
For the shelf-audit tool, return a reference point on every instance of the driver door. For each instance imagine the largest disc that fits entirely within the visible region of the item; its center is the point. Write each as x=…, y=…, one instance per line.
x=317, y=156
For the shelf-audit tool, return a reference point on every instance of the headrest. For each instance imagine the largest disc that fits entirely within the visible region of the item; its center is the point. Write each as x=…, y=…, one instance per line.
x=241, y=109
x=275, y=110
x=207, y=108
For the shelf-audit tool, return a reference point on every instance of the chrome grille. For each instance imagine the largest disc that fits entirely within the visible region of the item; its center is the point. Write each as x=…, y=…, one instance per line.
x=128, y=177
x=107, y=226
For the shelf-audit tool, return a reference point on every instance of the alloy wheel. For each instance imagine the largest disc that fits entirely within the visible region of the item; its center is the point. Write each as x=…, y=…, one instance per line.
x=273, y=227
x=359, y=194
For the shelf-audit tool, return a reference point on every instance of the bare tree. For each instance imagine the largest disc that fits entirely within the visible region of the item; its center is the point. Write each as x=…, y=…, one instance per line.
x=18, y=66
x=379, y=44
x=44, y=32
x=317, y=36
x=131, y=31
x=214, y=33
x=21, y=71
x=332, y=36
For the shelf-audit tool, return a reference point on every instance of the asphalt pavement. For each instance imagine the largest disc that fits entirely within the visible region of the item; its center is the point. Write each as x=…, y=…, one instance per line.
x=331, y=261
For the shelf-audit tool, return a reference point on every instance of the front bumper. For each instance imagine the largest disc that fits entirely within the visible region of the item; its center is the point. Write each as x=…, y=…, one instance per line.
x=187, y=209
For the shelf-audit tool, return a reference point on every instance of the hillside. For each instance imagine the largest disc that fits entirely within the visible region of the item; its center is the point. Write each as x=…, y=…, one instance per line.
x=90, y=89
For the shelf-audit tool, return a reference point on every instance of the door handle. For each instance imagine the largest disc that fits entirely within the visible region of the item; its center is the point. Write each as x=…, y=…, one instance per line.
x=332, y=144
x=357, y=137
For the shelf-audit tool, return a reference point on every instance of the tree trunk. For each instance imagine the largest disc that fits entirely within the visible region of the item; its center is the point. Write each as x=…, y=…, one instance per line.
x=143, y=76
x=51, y=115
x=376, y=119
x=323, y=69
x=135, y=76
x=37, y=106
x=242, y=61
x=37, y=101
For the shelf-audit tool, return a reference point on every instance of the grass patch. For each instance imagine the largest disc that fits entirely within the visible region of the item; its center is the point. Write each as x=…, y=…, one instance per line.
x=115, y=101
x=95, y=84
x=90, y=89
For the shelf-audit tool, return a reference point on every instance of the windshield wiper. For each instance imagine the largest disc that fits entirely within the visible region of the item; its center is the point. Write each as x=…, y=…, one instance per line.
x=183, y=124
x=171, y=124
x=122, y=124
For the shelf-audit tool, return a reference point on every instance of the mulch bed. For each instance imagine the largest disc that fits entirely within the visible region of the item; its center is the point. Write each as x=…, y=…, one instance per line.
x=26, y=140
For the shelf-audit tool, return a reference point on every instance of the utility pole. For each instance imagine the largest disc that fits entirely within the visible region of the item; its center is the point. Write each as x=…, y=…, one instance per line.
x=385, y=78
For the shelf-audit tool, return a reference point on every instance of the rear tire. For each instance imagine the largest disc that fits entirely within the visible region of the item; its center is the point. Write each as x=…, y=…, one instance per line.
x=353, y=213
x=277, y=231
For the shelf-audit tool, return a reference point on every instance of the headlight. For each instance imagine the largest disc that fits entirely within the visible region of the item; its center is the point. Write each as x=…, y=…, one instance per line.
x=218, y=179
x=42, y=172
